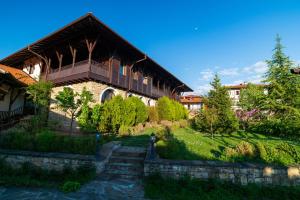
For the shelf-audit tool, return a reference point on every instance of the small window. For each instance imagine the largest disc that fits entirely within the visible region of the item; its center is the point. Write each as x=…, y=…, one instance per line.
x=2, y=96
x=30, y=69
x=135, y=76
x=237, y=92
x=122, y=70
x=145, y=80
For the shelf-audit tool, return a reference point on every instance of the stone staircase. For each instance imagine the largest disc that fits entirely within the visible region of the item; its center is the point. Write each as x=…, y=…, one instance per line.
x=126, y=163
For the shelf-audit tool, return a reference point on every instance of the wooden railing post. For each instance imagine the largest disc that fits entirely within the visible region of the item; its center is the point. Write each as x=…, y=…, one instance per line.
x=90, y=47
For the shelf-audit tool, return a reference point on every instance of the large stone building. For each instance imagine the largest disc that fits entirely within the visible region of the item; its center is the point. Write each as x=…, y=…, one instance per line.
x=87, y=53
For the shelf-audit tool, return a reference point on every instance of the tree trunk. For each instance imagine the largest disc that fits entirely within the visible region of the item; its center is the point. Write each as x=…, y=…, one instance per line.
x=71, y=126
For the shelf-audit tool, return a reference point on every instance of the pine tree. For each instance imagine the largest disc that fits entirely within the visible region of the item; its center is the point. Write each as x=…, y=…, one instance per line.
x=284, y=87
x=218, y=99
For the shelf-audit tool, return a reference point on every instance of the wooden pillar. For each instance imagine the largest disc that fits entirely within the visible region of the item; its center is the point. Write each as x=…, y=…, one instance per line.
x=73, y=52
x=59, y=57
x=48, y=65
x=90, y=47
x=110, y=68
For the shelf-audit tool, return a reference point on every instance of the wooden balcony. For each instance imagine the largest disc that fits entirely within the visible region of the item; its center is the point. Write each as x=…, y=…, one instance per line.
x=100, y=72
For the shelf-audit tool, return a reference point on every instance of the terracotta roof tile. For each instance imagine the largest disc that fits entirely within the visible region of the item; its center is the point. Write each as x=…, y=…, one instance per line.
x=18, y=74
x=191, y=99
x=242, y=85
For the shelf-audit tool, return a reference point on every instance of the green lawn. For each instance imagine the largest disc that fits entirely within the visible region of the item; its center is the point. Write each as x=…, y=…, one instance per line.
x=138, y=140
x=188, y=144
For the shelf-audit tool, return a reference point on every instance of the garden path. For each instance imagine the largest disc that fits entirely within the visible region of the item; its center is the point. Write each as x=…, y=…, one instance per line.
x=100, y=189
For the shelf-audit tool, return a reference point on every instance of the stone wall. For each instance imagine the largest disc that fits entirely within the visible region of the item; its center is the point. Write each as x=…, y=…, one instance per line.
x=58, y=161
x=63, y=120
x=240, y=173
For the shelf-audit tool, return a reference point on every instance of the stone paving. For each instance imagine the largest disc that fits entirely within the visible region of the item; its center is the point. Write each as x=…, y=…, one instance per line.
x=100, y=189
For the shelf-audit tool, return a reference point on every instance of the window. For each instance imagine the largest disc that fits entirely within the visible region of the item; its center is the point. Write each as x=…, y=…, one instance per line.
x=135, y=75
x=107, y=95
x=122, y=70
x=145, y=80
x=30, y=69
x=2, y=95
x=237, y=92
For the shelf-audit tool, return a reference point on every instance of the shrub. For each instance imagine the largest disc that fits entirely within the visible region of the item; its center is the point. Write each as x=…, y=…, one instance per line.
x=48, y=141
x=170, y=110
x=230, y=153
x=165, y=109
x=262, y=152
x=141, y=110
x=153, y=114
x=245, y=149
x=45, y=141
x=70, y=186
x=124, y=130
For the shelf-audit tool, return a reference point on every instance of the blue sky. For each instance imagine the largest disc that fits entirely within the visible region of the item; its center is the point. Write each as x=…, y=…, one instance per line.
x=192, y=39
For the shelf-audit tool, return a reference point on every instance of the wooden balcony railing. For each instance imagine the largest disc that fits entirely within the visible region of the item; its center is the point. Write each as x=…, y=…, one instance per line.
x=100, y=71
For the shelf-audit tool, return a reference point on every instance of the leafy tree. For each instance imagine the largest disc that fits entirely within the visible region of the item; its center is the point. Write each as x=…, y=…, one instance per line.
x=39, y=93
x=207, y=120
x=251, y=97
x=71, y=102
x=84, y=118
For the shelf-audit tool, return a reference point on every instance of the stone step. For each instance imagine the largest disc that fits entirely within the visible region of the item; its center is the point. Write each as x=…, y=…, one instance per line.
x=124, y=173
x=125, y=166
x=121, y=176
x=130, y=152
x=122, y=159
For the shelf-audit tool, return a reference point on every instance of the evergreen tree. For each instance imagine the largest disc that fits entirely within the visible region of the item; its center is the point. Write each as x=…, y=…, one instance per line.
x=284, y=87
x=218, y=99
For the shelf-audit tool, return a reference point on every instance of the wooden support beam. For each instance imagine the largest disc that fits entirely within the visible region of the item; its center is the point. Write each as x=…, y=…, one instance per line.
x=90, y=47
x=73, y=52
x=59, y=57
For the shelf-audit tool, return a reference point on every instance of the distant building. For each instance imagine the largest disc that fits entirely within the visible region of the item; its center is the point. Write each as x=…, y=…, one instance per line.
x=192, y=102
x=295, y=71
x=234, y=92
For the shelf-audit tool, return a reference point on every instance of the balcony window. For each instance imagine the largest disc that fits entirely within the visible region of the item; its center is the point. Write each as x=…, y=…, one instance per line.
x=135, y=76
x=122, y=70
x=145, y=80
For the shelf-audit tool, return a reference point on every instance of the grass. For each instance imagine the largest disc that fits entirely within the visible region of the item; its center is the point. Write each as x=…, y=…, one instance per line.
x=157, y=187
x=188, y=144
x=138, y=140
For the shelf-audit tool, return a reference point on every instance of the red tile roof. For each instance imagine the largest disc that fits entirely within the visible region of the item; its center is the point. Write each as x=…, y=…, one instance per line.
x=18, y=74
x=191, y=99
x=242, y=85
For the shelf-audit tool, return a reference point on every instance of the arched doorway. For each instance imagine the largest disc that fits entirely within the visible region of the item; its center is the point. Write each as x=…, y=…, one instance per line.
x=107, y=95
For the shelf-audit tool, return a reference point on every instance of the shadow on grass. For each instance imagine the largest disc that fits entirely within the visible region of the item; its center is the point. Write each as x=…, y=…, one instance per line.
x=172, y=148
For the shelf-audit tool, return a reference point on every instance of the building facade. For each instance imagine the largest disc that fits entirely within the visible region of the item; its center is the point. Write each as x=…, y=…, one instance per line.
x=87, y=53
x=192, y=102
x=234, y=92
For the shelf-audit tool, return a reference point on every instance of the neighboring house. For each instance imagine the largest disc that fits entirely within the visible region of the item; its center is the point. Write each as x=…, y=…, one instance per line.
x=296, y=71
x=234, y=92
x=87, y=53
x=192, y=102
x=12, y=91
